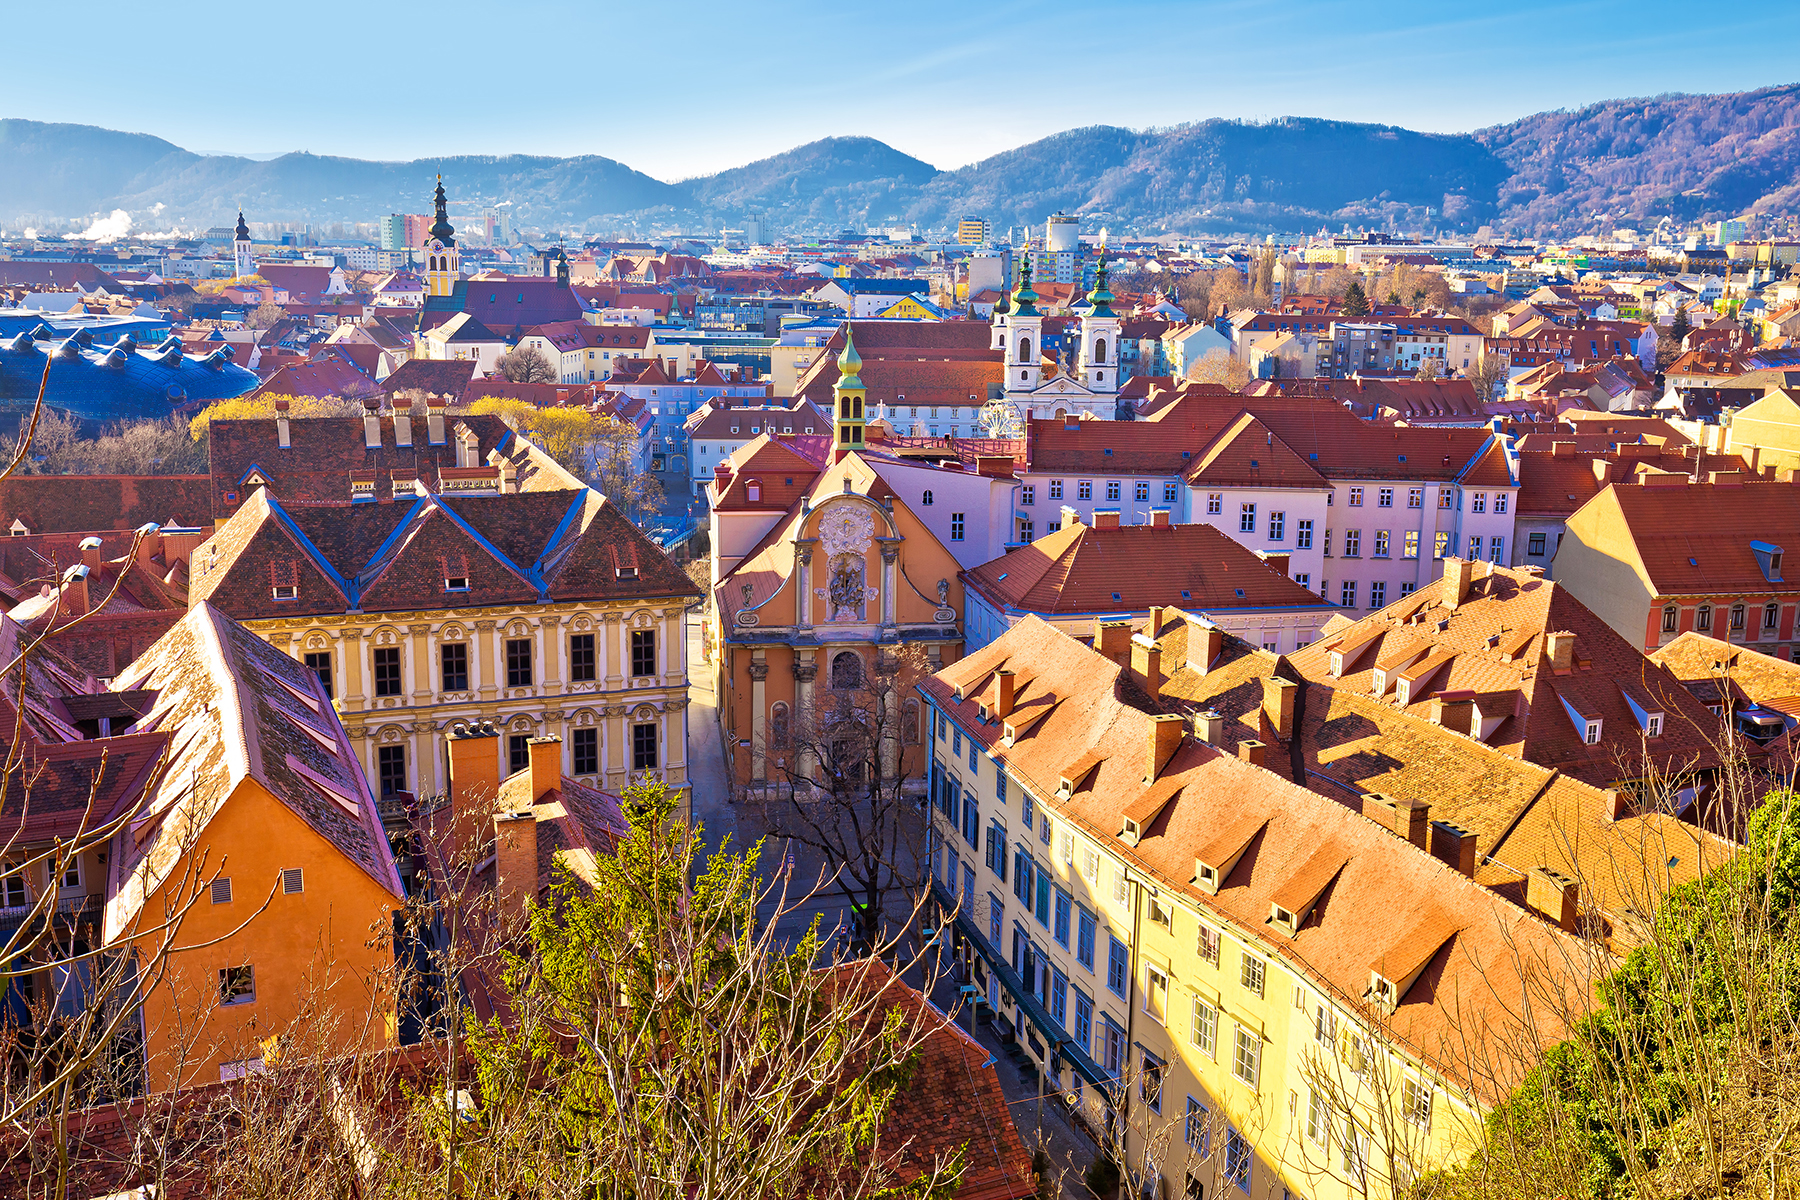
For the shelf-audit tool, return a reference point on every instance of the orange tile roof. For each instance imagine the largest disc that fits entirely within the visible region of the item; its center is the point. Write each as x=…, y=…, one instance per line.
x=1693, y=539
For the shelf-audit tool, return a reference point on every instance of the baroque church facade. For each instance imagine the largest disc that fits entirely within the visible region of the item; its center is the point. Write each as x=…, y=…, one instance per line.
x=1088, y=386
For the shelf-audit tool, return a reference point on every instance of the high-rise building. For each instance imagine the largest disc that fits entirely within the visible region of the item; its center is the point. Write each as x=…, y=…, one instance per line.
x=972, y=231
x=404, y=231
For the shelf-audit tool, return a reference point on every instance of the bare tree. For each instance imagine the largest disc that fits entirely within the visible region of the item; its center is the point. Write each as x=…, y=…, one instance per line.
x=1221, y=367
x=527, y=364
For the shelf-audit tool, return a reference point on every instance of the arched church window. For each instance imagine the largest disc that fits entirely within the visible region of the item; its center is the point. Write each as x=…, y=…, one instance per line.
x=1099, y=350
x=1024, y=349
x=909, y=722
x=846, y=670
x=781, y=729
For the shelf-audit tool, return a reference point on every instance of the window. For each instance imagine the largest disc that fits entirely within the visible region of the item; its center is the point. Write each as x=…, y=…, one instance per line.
x=1059, y=926
x=1771, y=615
x=956, y=527
x=1325, y=1028
x=581, y=658
x=1059, y=998
x=387, y=671
x=971, y=820
x=996, y=849
x=926, y=499
x=1277, y=526
x=1406, y=589
x=1215, y=502
x=1352, y=543
x=1247, y=518
x=1499, y=502
x=1593, y=733
x=643, y=747
x=1409, y=545
x=643, y=652
x=1442, y=547
x=1347, y=595
x=586, y=748
x=1118, y=961
x=1114, y=1050
x=1445, y=499
x=390, y=762
x=1668, y=619
x=518, y=662
x=847, y=672
x=1084, y=1020
x=1381, y=544
x=1237, y=1160
x=1416, y=1103
x=1250, y=974
x=1084, y=489
x=1384, y=498
x=293, y=881
x=1119, y=889
x=1703, y=618
x=286, y=591
x=1303, y=535
x=1085, y=925
x=456, y=583
x=320, y=665
x=1171, y=493
x=1737, y=618
x=1043, y=895
x=14, y=885
x=1026, y=531
x=1150, y=1081
x=1356, y=495
x=454, y=660
x=1415, y=497
x=1209, y=944
x=1377, y=594
x=237, y=985
x=1023, y=880
x=996, y=914
x=1205, y=1031
x=1027, y=807
x=1056, y=489
x=1478, y=502
x=518, y=752
x=1318, y=1120
x=1112, y=489
x=1028, y=494
x=1304, y=579
x=1246, y=1057
x=1497, y=550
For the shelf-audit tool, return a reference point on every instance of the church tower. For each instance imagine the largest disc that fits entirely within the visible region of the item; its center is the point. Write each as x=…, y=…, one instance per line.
x=848, y=395
x=442, y=262
x=1100, y=339
x=245, y=265
x=1024, y=337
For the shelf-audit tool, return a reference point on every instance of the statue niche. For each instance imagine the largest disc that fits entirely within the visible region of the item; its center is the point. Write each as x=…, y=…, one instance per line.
x=846, y=531
x=845, y=589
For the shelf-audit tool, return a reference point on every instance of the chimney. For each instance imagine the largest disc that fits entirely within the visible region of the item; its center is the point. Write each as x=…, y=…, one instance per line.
x=515, y=862
x=434, y=419
x=149, y=543
x=1205, y=642
x=1165, y=738
x=1551, y=896
x=74, y=602
x=1453, y=846
x=1251, y=751
x=721, y=476
x=1562, y=652
x=1209, y=727
x=1454, y=710
x=402, y=426
x=1106, y=518
x=1562, y=449
x=90, y=553
x=1278, y=705
x=546, y=765
x=1113, y=639
x=1159, y=518
x=372, y=422
x=1004, y=683
x=1278, y=562
x=1617, y=805
x=1146, y=663
x=1070, y=516
x=1457, y=574
x=1153, y=626
x=474, y=780
x=1603, y=470
x=468, y=447
x=1412, y=821
x=283, y=436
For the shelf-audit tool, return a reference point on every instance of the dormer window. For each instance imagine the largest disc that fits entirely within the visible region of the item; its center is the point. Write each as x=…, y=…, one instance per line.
x=753, y=491
x=627, y=573
x=1130, y=833
x=1207, y=877
x=456, y=583
x=1381, y=990
x=1593, y=733
x=286, y=591
x=1161, y=913
x=1653, y=725
x=1282, y=917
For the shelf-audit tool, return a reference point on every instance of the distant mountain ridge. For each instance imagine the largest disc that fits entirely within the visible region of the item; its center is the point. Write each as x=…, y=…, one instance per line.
x=1622, y=161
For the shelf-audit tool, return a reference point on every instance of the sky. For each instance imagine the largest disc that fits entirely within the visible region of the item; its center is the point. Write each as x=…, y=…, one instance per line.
x=680, y=88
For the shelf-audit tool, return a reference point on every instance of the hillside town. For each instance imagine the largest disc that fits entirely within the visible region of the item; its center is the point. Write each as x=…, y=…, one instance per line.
x=1043, y=627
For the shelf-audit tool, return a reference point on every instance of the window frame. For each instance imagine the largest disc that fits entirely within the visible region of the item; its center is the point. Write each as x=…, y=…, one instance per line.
x=520, y=671
x=387, y=671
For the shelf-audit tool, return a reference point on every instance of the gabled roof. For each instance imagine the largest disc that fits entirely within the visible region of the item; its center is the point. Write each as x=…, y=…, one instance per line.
x=1248, y=454
x=1694, y=539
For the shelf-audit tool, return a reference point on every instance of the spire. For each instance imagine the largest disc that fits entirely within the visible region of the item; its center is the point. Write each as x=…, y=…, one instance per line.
x=1024, y=297
x=848, y=396
x=1101, y=298
x=441, y=229
x=242, y=233
x=849, y=362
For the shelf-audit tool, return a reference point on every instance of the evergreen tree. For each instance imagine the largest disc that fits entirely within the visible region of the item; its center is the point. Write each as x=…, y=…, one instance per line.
x=1356, y=303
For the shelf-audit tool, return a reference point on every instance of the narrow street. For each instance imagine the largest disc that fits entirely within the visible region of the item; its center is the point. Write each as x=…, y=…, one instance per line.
x=1035, y=1116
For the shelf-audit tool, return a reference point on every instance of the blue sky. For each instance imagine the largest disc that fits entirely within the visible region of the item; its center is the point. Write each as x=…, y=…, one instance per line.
x=680, y=88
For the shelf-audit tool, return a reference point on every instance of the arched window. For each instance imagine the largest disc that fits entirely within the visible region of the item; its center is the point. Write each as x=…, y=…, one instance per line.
x=927, y=497
x=1668, y=619
x=1099, y=350
x=753, y=491
x=1703, y=618
x=781, y=730
x=846, y=670
x=1737, y=618
x=909, y=722
x=1771, y=616
x=1024, y=349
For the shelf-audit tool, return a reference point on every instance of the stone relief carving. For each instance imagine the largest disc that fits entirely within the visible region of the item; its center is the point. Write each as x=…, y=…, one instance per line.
x=847, y=529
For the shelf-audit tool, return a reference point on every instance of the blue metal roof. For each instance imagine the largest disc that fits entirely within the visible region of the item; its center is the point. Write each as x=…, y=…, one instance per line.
x=95, y=381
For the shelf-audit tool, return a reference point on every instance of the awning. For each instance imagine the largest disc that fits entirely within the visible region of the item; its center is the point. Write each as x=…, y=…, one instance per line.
x=1028, y=1004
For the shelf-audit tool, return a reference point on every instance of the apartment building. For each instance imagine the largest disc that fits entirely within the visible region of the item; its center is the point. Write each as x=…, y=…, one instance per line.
x=1222, y=960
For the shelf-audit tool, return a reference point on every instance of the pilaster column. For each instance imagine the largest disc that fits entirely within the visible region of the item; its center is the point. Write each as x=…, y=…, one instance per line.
x=552, y=647
x=481, y=662
x=806, y=669
x=422, y=690
x=803, y=597
x=350, y=651
x=890, y=573
x=606, y=641
x=759, y=708
x=887, y=668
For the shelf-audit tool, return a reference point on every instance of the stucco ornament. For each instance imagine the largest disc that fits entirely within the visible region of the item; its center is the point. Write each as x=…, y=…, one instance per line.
x=847, y=529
